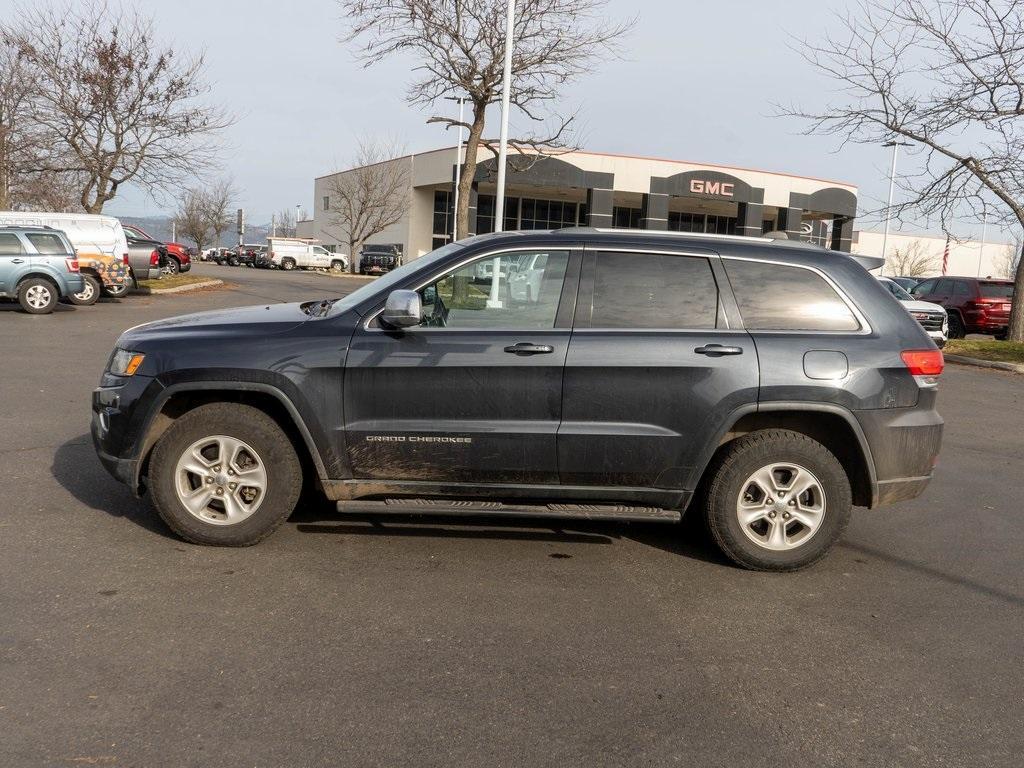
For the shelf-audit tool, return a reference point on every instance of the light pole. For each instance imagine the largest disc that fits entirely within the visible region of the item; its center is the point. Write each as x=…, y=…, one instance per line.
x=892, y=184
x=499, y=199
x=458, y=169
x=981, y=248
x=298, y=212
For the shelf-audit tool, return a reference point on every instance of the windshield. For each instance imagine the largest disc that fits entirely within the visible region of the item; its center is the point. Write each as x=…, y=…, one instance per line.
x=396, y=276
x=896, y=291
x=996, y=290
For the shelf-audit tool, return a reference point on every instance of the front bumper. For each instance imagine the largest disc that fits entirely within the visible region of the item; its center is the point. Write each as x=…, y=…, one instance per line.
x=118, y=425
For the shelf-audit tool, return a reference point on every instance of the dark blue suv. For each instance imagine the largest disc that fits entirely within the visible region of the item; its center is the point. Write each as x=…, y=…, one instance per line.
x=767, y=386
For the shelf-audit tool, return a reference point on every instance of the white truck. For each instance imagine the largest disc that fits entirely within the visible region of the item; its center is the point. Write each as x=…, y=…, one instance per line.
x=297, y=252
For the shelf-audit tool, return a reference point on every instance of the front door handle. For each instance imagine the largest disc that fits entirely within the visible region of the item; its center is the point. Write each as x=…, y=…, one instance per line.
x=717, y=350
x=526, y=348
x=17, y=261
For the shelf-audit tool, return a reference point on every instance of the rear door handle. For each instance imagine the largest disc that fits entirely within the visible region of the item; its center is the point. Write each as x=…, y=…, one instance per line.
x=717, y=350
x=526, y=348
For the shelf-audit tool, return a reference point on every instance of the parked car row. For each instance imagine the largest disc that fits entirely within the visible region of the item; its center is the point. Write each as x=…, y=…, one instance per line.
x=285, y=253
x=47, y=257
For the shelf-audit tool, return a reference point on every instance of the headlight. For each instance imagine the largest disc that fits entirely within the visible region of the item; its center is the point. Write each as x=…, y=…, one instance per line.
x=125, y=362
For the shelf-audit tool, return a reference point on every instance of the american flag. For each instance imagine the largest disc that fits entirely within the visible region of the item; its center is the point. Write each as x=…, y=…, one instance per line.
x=945, y=257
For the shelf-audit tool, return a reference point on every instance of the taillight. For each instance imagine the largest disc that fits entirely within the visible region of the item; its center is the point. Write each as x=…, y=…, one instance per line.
x=125, y=258
x=154, y=259
x=72, y=265
x=923, y=362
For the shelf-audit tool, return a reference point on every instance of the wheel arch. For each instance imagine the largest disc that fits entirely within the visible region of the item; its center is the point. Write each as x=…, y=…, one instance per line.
x=833, y=426
x=42, y=275
x=179, y=399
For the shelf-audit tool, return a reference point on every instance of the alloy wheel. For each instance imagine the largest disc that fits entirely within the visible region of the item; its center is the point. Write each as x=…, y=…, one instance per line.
x=781, y=506
x=38, y=296
x=220, y=480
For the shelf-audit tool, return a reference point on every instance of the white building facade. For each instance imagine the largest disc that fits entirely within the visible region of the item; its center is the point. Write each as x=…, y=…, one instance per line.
x=582, y=188
x=967, y=258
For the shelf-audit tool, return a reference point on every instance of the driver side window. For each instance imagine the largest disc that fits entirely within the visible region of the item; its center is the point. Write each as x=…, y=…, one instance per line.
x=517, y=291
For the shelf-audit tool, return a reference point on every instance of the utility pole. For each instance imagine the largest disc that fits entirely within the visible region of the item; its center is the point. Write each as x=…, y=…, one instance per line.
x=892, y=185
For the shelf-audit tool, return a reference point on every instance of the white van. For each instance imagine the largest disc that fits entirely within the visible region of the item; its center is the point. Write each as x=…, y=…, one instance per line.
x=292, y=252
x=99, y=242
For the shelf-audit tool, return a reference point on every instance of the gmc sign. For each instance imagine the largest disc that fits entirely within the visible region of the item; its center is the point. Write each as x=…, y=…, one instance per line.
x=713, y=188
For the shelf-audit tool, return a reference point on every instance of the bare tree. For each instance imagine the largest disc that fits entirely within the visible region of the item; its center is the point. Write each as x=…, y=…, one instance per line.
x=122, y=106
x=911, y=261
x=371, y=197
x=192, y=218
x=218, y=200
x=459, y=46
x=284, y=223
x=1007, y=260
x=947, y=75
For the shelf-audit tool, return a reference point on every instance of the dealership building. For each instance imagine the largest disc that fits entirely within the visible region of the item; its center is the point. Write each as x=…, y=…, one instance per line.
x=581, y=188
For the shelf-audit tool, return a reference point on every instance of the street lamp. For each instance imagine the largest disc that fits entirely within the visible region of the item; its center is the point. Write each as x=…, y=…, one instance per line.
x=298, y=212
x=892, y=184
x=458, y=169
x=499, y=200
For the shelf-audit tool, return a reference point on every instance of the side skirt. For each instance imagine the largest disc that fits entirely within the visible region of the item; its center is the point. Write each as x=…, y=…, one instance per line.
x=450, y=507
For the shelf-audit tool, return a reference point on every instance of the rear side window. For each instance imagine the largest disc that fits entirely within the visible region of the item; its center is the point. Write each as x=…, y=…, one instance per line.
x=775, y=297
x=49, y=245
x=646, y=290
x=961, y=289
x=996, y=290
x=10, y=245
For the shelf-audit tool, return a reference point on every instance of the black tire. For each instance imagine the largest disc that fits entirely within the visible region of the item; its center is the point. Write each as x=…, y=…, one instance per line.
x=257, y=429
x=172, y=267
x=956, y=327
x=287, y=264
x=742, y=458
x=232, y=261
x=89, y=294
x=37, y=295
x=337, y=266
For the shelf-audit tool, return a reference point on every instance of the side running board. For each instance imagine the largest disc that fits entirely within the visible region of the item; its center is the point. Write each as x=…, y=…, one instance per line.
x=499, y=509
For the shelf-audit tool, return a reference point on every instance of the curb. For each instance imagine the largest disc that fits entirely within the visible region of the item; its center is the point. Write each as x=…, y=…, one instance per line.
x=962, y=360
x=181, y=288
x=328, y=273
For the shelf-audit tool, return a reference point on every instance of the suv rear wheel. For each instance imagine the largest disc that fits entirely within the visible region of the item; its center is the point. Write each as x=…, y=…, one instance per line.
x=225, y=474
x=956, y=327
x=777, y=501
x=37, y=296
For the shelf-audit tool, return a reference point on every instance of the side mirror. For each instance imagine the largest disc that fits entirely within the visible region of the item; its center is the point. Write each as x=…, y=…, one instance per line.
x=403, y=309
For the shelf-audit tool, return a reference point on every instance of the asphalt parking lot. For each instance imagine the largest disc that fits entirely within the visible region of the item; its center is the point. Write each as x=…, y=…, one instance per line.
x=405, y=643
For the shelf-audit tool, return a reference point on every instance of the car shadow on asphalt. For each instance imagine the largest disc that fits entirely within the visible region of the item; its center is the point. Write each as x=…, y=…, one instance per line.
x=76, y=468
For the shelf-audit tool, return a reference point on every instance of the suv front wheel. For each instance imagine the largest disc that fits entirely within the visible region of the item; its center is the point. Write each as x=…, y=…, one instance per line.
x=777, y=501
x=225, y=474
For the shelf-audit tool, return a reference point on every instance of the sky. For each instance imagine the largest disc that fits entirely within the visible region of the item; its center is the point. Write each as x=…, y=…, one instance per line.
x=697, y=81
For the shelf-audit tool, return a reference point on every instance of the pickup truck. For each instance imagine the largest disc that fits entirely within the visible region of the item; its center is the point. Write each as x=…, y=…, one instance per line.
x=292, y=253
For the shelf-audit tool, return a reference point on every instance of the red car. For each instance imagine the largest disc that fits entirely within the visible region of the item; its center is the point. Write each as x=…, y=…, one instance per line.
x=178, y=257
x=975, y=305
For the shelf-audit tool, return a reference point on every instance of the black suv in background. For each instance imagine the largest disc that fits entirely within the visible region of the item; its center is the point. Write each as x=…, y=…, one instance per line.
x=377, y=259
x=766, y=386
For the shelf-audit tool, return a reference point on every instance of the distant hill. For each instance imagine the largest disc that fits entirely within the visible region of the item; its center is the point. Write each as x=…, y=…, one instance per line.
x=160, y=228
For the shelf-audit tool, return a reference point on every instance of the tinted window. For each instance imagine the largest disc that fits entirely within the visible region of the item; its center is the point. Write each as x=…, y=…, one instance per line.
x=774, y=297
x=944, y=287
x=633, y=290
x=508, y=291
x=996, y=290
x=896, y=290
x=926, y=287
x=47, y=244
x=961, y=289
x=10, y=245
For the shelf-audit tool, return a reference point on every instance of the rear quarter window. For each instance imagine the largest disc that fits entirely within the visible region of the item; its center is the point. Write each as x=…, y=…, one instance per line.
x=777, y=297
x=996, y=290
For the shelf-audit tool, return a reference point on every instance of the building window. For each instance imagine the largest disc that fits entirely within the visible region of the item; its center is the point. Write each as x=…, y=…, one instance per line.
x=530, y=213
x=682, y=221
x=327, y=203
x=444, y=217
x=625, y=218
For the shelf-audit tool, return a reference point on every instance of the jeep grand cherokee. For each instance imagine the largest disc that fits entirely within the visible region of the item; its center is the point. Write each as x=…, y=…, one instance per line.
x=766, y=386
